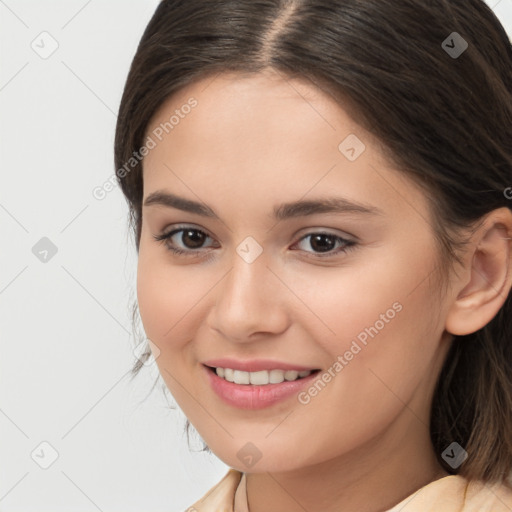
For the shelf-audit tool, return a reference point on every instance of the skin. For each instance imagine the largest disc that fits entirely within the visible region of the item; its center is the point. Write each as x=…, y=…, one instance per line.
x=253, y=142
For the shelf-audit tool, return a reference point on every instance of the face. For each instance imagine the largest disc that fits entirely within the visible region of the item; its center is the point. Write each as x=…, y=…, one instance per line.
x=339, y=285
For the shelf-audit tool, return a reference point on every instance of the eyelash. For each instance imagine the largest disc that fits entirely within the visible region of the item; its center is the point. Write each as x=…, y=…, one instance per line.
x=165, y=237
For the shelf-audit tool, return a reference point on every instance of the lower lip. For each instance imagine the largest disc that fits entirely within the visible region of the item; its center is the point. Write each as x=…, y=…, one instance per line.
x=249, y=396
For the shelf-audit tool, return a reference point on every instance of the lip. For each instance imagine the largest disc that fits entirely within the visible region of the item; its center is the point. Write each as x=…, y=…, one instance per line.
x=255, y=365
x=249, y=396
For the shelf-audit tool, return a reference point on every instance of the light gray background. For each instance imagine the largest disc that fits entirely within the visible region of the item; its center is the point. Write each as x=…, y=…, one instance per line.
x=65, y=332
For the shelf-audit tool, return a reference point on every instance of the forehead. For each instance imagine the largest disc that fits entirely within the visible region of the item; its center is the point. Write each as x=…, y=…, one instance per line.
x=274, y=136
x=265, y=108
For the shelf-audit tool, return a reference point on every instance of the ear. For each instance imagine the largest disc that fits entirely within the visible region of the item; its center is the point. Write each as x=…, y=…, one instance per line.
x=487, y=277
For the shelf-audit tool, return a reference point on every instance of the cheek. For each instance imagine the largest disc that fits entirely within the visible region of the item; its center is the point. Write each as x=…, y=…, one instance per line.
x=167, y=298
x=169, y=302
x=376, y=321
x=364, y=301
x=374, y=368
x=154, y=296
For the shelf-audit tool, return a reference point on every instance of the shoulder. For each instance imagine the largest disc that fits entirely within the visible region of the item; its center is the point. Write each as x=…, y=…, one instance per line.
x=449, y=494
x=485, y=497
x=220, y=497
x=455, y=493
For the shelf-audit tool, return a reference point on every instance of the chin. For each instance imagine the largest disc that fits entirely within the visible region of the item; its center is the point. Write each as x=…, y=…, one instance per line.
x=250, y=459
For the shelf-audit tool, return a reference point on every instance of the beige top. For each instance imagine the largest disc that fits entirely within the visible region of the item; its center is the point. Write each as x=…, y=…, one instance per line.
x=448, y=494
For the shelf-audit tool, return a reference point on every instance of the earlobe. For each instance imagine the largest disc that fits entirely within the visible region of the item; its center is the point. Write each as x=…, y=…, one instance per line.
x=490, y=276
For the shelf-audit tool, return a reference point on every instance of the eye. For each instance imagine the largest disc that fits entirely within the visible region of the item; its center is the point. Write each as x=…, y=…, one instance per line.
x=191, y=238
x=325, y=243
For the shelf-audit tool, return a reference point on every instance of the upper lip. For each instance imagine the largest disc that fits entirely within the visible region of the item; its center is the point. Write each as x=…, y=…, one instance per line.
x=254, y=365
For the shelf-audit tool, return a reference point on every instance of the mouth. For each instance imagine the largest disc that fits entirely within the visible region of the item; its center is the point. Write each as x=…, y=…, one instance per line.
x=257, y=389
x=261, y=377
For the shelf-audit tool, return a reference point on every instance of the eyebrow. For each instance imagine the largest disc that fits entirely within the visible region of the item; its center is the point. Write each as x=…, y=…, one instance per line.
x=283, y=211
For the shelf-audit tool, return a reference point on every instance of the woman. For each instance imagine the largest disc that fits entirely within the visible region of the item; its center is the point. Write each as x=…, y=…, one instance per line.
x=319, y=192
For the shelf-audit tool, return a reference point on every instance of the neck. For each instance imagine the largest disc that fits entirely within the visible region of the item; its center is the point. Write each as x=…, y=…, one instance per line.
x=371, y=478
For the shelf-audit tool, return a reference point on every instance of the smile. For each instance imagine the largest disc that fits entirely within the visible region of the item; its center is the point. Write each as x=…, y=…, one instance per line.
x=260, y=378
x=257, y=389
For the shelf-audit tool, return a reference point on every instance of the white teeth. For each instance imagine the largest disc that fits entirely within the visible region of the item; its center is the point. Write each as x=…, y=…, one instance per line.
x=276, y=376
x=260, y=378
x=291, y=375
x=241, y=377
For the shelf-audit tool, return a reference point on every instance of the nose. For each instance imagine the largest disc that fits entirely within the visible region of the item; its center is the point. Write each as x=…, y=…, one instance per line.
x=249, y=301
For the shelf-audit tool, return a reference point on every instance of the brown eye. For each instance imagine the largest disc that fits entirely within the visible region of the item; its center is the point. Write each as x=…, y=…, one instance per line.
x=324, y=243
x=187, y=241
x=194, y=236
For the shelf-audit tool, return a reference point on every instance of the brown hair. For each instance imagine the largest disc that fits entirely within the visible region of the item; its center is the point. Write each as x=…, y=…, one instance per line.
x=443, y=119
